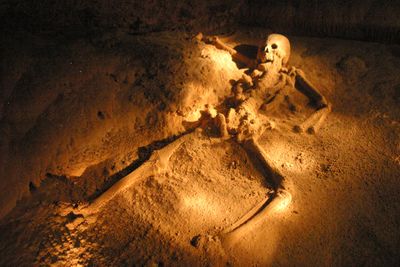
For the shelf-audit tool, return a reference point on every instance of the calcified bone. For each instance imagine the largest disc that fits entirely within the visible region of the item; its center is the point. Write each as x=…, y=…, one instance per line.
x=247, y=124
x=255, y=217
x=276, y=45
x=314, y=122
x=220, y=120
x=235, y=55
x=280, y=199
x=158, y=163
x=270, y=67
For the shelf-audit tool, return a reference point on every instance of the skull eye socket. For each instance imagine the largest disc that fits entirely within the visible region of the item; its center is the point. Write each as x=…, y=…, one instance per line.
x=274, y=46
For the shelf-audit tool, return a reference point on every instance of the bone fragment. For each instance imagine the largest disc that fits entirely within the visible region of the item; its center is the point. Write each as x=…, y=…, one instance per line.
x=314, y=122
x=222, y=126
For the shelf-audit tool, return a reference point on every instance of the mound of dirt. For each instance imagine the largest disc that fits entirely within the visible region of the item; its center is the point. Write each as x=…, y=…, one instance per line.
x=70, y=108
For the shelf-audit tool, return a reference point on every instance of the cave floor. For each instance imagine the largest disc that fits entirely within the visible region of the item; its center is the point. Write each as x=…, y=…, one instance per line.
x=345, y=209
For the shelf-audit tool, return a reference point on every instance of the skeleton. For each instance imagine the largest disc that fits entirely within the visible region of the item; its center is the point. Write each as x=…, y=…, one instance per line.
x=270, y=71
x=244, y=121
x=269, y=77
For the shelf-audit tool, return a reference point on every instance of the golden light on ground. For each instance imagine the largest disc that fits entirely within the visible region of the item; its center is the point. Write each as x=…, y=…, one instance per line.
x=222, y=59
x=290, y=158
x=201, y=204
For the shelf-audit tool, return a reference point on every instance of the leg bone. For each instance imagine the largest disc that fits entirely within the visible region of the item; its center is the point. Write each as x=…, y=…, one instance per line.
x=266, y=208
x=255, y=217
x=157, y=163
x=314, y=122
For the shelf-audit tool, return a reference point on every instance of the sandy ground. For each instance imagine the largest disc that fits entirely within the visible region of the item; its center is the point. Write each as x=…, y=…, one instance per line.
x=345, y=209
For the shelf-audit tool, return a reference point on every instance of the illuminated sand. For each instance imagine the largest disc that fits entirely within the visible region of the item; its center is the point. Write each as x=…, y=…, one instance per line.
x=344, y=210
x=208, y=185
x=194, y=166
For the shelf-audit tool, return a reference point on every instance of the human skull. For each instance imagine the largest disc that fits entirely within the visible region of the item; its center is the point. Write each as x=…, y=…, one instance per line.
x=276, y=47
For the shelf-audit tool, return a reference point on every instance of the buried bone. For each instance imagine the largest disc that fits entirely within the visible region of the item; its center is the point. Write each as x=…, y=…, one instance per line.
x=158, y=163
x=246, y=123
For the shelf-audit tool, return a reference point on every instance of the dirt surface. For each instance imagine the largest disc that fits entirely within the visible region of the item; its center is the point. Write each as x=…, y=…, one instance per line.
x=83, y=109
x=184, y=208
x=345, y=208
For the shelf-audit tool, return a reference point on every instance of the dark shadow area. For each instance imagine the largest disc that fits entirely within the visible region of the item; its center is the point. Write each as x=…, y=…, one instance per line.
x=247, y=50
x=373, y=20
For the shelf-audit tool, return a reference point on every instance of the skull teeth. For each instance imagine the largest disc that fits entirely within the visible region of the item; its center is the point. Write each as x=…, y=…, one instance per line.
x=269, y=58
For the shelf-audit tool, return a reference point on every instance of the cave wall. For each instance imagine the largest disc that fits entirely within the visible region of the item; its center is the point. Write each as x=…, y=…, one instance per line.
x=371, y=20
x=83, y=17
